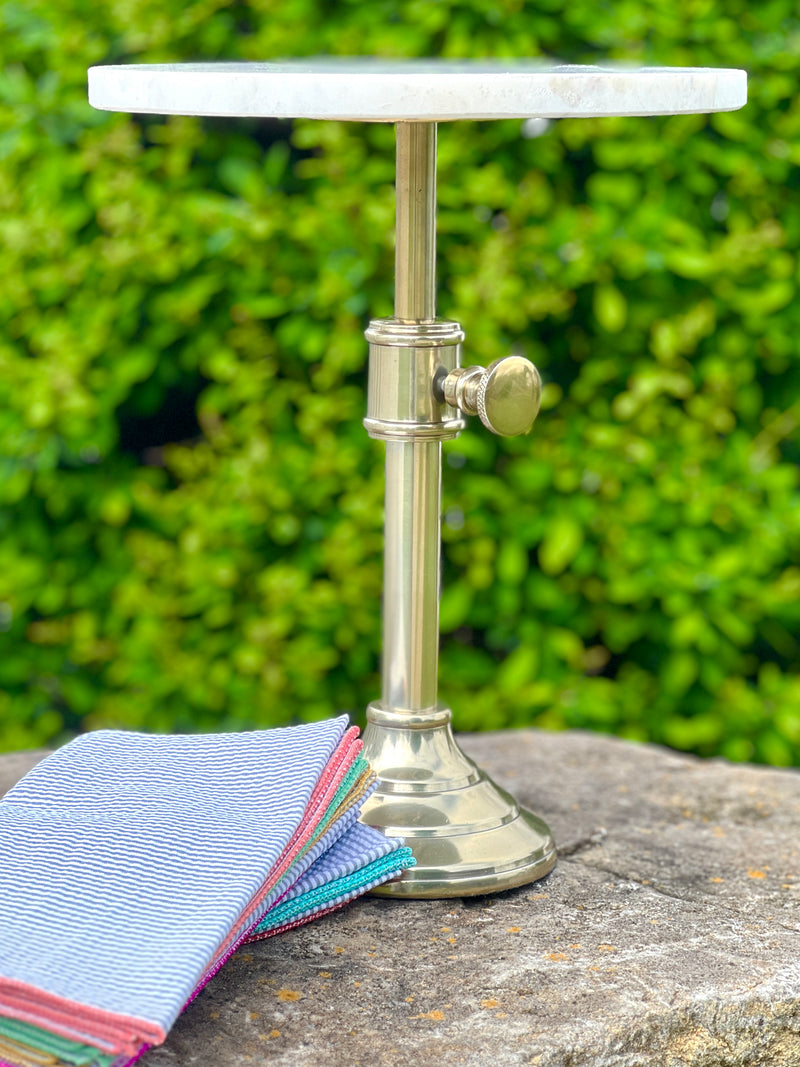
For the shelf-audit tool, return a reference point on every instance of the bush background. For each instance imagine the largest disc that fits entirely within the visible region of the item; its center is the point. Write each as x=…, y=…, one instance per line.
x=190, y=512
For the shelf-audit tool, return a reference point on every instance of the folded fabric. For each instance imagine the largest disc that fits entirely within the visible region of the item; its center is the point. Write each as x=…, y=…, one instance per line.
x=131, y=867
x=362, y=859
x=26, y=1044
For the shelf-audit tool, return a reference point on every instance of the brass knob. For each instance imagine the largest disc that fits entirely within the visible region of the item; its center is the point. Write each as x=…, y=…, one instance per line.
x=506, y=395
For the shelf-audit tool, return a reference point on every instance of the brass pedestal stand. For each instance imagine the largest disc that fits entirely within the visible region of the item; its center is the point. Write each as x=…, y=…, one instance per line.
x=468, y=835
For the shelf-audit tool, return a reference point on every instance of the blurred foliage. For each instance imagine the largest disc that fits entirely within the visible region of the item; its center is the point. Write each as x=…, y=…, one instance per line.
x=190, y=511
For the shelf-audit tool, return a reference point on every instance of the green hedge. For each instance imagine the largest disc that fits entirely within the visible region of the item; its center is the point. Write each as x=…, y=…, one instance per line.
x=190, y=526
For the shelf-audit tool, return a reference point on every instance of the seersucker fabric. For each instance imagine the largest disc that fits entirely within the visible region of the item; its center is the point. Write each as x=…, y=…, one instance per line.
x=132, y=866
x=350, y=867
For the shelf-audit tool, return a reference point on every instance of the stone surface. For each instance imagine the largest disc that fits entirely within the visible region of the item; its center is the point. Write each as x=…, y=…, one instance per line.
x=366, y=90
x=667, y=935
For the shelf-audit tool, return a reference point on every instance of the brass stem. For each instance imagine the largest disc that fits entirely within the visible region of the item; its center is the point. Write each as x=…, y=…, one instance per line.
x=412, y=521
x=415, y=248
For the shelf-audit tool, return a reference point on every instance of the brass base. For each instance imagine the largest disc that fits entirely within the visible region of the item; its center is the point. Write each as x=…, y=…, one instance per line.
x=467, y=834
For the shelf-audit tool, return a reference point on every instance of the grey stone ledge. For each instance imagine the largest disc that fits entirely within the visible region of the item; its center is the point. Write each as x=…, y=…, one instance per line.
x=666, y=936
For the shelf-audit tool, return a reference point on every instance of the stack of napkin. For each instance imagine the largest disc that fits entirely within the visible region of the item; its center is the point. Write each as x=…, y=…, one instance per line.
x=132, y=867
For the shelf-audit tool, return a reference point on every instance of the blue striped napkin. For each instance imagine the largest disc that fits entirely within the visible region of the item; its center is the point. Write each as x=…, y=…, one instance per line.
x=132, y=865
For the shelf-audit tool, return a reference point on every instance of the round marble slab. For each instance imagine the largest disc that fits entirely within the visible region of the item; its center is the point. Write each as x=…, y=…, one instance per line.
x=367, y=90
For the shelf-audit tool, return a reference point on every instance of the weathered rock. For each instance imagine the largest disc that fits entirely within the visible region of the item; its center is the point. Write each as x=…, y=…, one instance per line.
x=14, y=764
x=667, y=935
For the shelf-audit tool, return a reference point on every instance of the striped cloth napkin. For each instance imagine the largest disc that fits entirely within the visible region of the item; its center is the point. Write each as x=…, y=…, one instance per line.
x=132, y=866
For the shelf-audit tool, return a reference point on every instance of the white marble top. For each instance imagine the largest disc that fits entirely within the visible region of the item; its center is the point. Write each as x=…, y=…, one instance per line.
x=367, y=90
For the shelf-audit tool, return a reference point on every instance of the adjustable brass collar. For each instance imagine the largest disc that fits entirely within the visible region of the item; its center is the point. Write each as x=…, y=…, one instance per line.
x=406, y=360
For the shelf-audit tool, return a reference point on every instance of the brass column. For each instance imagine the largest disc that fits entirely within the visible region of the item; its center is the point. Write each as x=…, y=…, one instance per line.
x=413, y=467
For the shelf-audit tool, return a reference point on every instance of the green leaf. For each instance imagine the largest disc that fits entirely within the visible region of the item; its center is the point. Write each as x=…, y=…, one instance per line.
x=561, y=543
